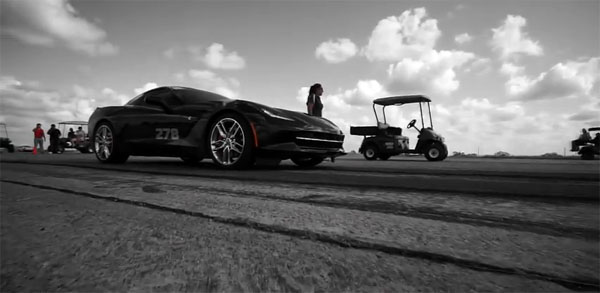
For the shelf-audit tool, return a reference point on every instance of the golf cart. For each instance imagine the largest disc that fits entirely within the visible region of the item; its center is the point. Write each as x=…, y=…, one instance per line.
x=5, y=142
x=383, y=141
x=591, y=148
x=65, y=142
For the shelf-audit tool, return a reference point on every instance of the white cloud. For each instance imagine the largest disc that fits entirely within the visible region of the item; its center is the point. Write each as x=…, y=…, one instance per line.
x=463, y=38
x=210, y=81
x=509, y=39
x=148, y=86
x=51, y=22
x=48, y=106
x=563, y=80
x=336, y=51
x=585, y=115
x=405, y=36
x=217, y=57
x=409, y=41
x=435, y=72
x=169, y=53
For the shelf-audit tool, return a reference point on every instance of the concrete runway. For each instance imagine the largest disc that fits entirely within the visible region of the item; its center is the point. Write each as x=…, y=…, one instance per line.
x=353, y=225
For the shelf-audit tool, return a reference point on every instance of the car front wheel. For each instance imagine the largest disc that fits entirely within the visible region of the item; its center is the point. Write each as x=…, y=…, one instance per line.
x=230, y=142
x=106, y=146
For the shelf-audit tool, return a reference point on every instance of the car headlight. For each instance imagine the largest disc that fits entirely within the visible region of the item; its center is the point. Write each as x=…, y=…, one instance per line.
x=271, y=114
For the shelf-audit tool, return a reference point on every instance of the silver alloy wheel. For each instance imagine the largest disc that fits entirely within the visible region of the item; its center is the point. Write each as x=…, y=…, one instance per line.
x=227, y=141
x=434, y=153
x=103, y=142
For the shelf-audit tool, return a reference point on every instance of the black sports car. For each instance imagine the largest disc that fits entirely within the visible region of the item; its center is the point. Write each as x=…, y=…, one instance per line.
x=194, y=124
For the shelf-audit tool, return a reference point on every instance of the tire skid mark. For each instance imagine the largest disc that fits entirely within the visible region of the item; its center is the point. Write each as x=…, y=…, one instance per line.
x=572, y=283
x=425, y=213
x=476, y=194
x=396, y=209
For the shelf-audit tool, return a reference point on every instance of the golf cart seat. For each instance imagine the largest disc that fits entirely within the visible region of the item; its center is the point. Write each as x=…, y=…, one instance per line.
x=375, y=130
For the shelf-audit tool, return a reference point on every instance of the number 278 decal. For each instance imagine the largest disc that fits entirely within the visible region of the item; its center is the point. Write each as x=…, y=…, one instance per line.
x=167, y=133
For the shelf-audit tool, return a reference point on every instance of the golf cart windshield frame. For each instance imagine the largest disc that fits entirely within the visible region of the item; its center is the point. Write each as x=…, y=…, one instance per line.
x=401, y=100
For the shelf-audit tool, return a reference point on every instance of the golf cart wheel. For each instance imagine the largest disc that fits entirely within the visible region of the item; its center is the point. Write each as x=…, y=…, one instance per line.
x=106, y=146
x=587, y=155
x=435, y=152
x=307, y=161
x=384, y=157
x=230, y=142
x=370, y=152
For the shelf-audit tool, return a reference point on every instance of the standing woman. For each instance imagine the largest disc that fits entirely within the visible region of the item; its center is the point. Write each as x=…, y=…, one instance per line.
x=313, y=102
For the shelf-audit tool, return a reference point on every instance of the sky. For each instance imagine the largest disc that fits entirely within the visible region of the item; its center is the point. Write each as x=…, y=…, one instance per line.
x=515, y=76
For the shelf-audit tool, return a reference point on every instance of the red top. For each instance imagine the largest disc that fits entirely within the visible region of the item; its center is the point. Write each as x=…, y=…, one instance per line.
x=38, y=133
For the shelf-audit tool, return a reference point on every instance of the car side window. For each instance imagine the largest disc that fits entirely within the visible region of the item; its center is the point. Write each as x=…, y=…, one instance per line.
x=163, y=94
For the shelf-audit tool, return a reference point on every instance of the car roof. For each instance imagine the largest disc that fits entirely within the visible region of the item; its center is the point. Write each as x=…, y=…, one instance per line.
x=401, y=100
x=74, y=122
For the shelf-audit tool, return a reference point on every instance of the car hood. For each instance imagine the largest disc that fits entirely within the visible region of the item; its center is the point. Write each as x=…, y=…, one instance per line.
x=299, y=119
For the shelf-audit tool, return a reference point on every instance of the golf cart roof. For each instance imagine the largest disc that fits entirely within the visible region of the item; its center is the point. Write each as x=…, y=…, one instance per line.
x=74, y=122
x=399, y=100
x=594, y=129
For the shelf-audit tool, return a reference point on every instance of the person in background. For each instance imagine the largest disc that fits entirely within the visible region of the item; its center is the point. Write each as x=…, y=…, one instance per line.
x=54, y=135
x=71, y=135
x=80, y=135
x=584, y=138
x=38, y=138
x=313, y=102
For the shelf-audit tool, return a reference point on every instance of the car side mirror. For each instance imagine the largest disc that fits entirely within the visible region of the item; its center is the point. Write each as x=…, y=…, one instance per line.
x=155, y=100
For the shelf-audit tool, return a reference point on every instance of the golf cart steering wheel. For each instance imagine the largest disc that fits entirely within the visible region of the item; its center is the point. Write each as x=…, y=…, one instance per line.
x=411, y=123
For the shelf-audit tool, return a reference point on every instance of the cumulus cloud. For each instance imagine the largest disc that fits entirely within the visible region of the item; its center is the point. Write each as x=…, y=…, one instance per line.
x=54, y=22
x=406, y=36
x=210, y=81
x=25, y=103
x=510, y=40
x=463, y=38
x=585, y=115
x=336, y=51
x=563, y=80
x=216, y=56
x=409, y=41
x=435, y=72
x=148, y=86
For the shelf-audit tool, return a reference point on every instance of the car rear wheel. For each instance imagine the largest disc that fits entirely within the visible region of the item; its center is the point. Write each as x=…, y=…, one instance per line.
x=307, y=161
x=370, y=152
x=230, y=142
x=435, y=152
x=106, y=146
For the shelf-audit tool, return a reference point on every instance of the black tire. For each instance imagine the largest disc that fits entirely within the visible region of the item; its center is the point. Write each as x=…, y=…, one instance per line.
x=435, y=152
x=106, y=146
x=230, y=142
x=384, y=157
x=60, y=149
x=306, y=162
x=370, y=152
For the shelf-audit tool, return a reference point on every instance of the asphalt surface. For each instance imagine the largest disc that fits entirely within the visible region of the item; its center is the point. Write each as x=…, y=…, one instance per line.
x=401, y=225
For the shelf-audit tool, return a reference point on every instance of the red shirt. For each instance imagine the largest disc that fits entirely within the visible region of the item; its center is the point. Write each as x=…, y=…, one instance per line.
x=38, y=133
